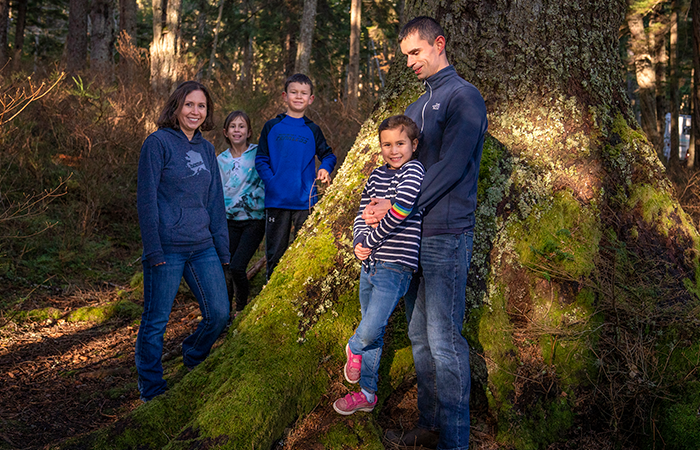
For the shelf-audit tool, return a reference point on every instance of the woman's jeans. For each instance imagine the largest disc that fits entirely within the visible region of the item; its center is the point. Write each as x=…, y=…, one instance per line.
x=381, y=288
x=244, y=238
x=205, y=277
x=440, y=353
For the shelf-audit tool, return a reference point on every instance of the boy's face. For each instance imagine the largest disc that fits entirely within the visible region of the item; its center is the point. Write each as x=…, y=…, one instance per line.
x=298, y=97
x=397, y=148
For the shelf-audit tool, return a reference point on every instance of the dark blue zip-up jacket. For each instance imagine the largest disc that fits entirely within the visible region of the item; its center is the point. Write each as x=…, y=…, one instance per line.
x=179, y=197
x=452, y=118
x=286, y=161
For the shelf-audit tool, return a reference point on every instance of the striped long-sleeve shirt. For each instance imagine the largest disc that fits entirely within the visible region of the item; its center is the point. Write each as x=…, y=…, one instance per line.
x=397, y=238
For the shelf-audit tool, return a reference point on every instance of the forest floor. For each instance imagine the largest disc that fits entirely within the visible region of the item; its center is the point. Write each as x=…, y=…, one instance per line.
x=61, y=377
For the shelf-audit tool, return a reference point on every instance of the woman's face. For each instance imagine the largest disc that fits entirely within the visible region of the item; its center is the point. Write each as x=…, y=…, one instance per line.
x=238, y=132
x=193, y=112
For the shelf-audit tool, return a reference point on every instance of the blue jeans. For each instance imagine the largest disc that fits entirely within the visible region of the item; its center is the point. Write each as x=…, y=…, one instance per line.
x=381, y=288
x=205, y=277
x=435, y=309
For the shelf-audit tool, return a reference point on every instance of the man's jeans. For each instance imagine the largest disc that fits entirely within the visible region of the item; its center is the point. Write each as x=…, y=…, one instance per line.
x=435, y=311
x=381, y=288
x=205, y=277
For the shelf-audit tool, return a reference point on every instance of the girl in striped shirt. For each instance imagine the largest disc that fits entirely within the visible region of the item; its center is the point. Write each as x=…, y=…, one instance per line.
x=389, y=255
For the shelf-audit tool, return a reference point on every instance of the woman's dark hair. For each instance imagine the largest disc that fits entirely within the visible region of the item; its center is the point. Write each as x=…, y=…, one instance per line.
x=230, y=118
x=402, y=122
x=168, y=117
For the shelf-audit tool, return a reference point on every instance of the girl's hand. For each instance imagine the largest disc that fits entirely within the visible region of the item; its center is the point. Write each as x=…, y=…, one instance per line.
x=361, y=252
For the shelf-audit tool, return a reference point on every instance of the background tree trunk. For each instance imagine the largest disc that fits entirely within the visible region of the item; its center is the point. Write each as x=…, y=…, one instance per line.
x=4, y=20
x=354, y=64
x=212, y=57
x=101, y=38
x=164, y=47
x=77, y=42
x=577, y=238
x=695, y=10
x=674, y=100
x=127, y=18
x=646, y=77
x=19, y=32
x=306, y=37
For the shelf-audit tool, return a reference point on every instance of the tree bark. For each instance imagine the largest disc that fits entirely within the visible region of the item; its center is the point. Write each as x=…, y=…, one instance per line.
x=306, y=37
x=695, y=124
x=127, y=18
x=164, y=47
x=77, y=41
x=19, y=32
x=354, y=62
x=646, y=77
x=101, y=38
x=582, y=263
x=289, y=37
x=4, y=19
x=212, y=57
x=674, y=100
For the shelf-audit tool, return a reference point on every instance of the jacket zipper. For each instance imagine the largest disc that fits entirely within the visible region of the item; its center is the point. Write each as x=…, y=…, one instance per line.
x=422, y=114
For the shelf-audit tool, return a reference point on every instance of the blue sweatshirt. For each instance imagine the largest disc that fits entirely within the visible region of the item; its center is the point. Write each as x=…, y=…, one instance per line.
x=180, y=198
x=452, y=118
x=286, y=164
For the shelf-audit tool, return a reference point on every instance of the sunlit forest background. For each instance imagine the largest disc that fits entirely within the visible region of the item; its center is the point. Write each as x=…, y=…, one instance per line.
x=83, y=82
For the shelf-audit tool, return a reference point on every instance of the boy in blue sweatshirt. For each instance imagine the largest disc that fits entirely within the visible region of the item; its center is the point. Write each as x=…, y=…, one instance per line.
x=285, y=161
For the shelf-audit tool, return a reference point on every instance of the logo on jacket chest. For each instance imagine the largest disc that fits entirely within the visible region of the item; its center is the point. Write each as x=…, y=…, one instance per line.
x=436, y=106
x=195, y=163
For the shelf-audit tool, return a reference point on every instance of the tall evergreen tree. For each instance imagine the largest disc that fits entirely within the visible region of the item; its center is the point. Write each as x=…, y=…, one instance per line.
x=77, y=41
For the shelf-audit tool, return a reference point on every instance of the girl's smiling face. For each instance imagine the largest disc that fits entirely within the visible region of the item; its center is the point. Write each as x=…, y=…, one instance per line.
x=397, y=147
x=238, y=132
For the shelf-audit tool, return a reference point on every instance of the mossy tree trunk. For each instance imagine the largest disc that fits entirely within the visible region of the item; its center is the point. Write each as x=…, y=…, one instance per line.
x=582, y=284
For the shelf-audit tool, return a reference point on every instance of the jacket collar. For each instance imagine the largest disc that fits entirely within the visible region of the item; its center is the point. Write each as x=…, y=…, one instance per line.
x=437, y=80
x=196, y=139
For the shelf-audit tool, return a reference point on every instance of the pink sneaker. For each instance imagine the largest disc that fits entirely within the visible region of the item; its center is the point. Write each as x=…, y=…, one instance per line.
x=353, y=366
x=352, y=403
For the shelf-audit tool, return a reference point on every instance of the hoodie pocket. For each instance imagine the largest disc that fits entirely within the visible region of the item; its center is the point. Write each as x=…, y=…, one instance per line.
x=192, y=226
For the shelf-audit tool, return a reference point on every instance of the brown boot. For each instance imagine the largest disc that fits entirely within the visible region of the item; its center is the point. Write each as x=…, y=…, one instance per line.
x=415, y=438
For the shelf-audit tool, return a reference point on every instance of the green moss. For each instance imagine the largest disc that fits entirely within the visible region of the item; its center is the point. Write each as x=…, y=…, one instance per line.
x=495, y=337
x=680, y=419
x=37, y=315
x=356, y=434
x=543, y=424
x=559, y=238
x=567, y=337
x=100, y=314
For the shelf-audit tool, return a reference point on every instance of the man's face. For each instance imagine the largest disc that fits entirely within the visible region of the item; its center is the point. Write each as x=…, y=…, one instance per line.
x=424, y=57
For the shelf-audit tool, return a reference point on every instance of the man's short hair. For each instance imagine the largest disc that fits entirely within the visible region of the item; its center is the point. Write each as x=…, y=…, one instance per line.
x=299, y=78
x=427, y=28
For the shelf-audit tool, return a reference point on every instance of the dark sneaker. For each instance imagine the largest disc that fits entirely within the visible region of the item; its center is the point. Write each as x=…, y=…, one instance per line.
x=417, y=437
x=352, y=403
x=353, y=366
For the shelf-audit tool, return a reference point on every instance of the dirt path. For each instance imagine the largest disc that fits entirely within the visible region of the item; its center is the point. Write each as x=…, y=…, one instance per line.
x=60, y=378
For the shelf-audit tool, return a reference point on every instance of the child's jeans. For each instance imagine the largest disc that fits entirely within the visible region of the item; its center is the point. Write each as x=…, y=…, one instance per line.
x=381, y=288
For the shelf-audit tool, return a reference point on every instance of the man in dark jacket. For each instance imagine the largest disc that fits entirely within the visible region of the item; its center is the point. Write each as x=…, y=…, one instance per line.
x=452, y=118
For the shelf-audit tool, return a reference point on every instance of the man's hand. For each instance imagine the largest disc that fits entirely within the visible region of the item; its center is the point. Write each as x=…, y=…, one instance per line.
x=361, y=252
x=375, y=211
x=323, y=176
